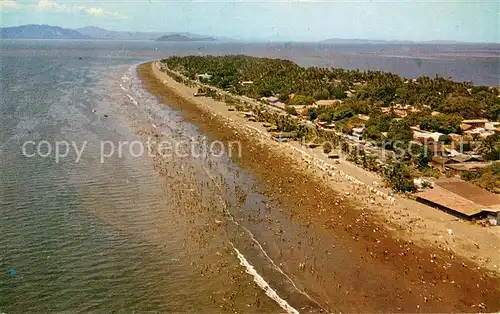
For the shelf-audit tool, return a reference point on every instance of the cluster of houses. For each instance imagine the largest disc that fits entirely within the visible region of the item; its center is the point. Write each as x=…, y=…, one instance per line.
x=451, y=157
x=450, y=193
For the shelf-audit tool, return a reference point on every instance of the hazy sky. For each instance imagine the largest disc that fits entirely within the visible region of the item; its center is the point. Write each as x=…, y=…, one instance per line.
x=476, y=21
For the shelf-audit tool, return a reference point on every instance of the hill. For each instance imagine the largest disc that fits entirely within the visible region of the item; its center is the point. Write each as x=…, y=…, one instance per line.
x=101, y=33
x=181, y=37
x=40, y=32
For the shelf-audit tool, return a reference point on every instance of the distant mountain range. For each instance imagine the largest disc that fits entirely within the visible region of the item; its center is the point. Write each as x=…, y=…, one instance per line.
x=41, y=32
x=91, y=32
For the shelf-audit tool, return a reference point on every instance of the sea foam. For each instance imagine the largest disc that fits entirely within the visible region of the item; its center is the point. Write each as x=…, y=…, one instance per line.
x=251, y=270
x=257, y=278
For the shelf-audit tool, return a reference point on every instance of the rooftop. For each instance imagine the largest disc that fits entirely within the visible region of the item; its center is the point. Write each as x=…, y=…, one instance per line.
x=468, y=166
x=471, y=192
x=472, y=121
x=450, y=201
x=328, y=102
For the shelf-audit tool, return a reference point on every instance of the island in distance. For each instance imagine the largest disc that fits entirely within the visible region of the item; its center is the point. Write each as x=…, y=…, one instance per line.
x=180, y=37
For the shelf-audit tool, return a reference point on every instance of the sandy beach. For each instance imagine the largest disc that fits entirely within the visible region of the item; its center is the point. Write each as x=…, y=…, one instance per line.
x=396, y=255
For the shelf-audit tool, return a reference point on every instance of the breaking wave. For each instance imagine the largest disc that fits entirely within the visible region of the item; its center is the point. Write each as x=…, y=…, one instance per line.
x=257, y=278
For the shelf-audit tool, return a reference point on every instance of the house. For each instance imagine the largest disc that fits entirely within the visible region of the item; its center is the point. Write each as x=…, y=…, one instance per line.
x=328, y=102
x=458, y=168
x=437, y=162
x=321, y=124
x=457, y=164
x=476, y=123
x=465, y=158
x=248, y=114
x=461, y=199
x=272, y=99
x=203, y=77
x=363, y=117
x=279, y=105
x=491, y=126
x=427, y=136
x=455, y=137
x=402, y=107
x=486, y=134
x=284, y=136
x=461, y=158
x=465, y=127
x=358, y=132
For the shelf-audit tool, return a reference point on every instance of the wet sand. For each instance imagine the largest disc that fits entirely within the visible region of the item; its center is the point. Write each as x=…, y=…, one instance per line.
x=346, y=259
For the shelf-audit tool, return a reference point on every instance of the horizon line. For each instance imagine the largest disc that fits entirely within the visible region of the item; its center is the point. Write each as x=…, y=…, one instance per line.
x=229, y=38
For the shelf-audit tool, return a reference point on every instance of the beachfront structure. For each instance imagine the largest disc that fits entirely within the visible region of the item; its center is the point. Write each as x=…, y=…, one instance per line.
x=203, y=77
x=461, y=199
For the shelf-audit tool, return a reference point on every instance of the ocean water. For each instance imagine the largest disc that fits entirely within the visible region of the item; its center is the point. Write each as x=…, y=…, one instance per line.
x=91, y=236
x=79, y=234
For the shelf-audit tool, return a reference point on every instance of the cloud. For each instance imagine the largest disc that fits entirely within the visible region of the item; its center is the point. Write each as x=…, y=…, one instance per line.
x=10, y=4
x=49, y=5
x=95, y=11
x=52, y=5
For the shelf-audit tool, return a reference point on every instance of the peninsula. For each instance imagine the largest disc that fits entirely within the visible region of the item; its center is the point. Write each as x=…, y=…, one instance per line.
x=329, y=190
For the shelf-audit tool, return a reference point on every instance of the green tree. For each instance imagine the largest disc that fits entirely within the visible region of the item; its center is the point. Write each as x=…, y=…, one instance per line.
x=443, y=123
x=321, y=94
x=445, y=138
x=291, y=110
x=283, y=97
x=490, y=147
x=337, y=93
x=327, y=147
x=312, y=114
x=494, y=110
x=301, y=100
x=463, y=106
x=398, y=176
x=400, y=131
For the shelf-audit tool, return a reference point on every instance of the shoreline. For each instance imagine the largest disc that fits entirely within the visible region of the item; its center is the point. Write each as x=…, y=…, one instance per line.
x=362, y=219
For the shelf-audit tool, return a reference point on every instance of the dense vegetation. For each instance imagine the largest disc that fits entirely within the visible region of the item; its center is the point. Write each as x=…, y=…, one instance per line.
x=366, y=93
x=372, y=89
